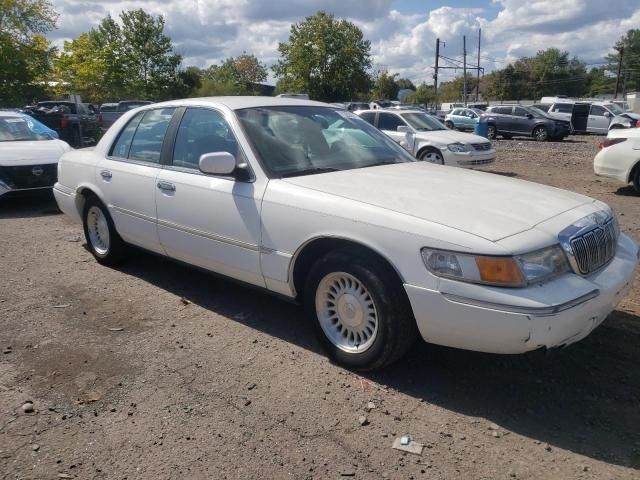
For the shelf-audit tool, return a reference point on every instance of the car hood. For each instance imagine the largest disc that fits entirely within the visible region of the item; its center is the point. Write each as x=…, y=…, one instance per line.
x=630, y=115
x=31, y=152
x=450, y=136
x=488, y=205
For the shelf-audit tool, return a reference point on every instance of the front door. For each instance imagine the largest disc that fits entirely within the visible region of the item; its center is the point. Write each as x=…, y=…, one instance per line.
x=598, y=121
x=519, y=121
x=209, y=221
x=127, y=177
x=389, y=123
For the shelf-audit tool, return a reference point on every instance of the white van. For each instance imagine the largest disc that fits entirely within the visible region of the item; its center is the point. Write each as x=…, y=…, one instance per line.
x=590, y=117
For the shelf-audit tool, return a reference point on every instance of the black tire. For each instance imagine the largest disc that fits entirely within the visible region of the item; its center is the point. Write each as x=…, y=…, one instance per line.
x=540, y=134
x=449, y=124
x=116, y=247
x=492, y=132
x=396, y=331
x=506, y=136
x=75, y=138
x=636, y=178
x=428, y=153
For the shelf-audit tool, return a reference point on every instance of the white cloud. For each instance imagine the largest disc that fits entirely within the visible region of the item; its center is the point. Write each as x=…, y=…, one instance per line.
x=207, y=31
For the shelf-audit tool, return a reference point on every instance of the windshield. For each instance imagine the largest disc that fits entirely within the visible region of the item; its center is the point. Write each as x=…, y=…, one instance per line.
x=21, y=128
x=615, y=109
x=423, y=122
x=303, y=140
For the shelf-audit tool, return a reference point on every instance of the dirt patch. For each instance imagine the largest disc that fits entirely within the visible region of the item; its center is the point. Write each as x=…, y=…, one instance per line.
x=128, y=381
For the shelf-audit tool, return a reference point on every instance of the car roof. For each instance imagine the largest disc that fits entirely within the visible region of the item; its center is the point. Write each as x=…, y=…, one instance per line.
x=240, y=102
x=4, y=113
x=392, y=110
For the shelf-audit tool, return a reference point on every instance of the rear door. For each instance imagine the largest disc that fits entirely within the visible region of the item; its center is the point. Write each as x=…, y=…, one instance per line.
x=503, y=118
x=519, y=121
x=127, y=177
x=598, y=122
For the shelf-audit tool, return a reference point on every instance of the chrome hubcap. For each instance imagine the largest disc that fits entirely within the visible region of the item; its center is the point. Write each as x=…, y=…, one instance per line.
x=346, y=312
x=98, y=230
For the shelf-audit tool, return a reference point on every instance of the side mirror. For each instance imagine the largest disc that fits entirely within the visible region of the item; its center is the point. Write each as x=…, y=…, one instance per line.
x=529, y=116
x=404, y=129
x=608, y=114
x=217, y=163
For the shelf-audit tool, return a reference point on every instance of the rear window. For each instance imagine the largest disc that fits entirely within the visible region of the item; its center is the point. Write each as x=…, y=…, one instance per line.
x=49, y=107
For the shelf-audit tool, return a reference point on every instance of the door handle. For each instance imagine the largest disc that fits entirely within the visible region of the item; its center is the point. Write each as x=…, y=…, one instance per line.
x=166, y=186
x=106, y=174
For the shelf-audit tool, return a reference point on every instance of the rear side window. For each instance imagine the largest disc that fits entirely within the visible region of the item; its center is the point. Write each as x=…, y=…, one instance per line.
x=502, y=110
x=455, y=112
x=121, y=148
x=389, y=121
x=368, y=117
x=147, y=141
x=562, y=108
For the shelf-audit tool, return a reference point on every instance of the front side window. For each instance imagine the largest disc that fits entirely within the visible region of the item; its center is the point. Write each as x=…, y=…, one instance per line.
x=520, y=112
x=423, y=122
x=202, y=131
x=302, y=140
x=597, y=110
x=390, y=122
x=147, y=141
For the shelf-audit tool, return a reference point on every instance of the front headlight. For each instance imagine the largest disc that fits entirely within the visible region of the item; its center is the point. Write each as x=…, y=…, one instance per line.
x=458, y=147
x=516, y=271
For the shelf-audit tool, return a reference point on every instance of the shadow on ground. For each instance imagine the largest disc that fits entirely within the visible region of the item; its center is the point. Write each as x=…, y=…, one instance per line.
x=584, y=398
x=627, y=191
x=28, y=205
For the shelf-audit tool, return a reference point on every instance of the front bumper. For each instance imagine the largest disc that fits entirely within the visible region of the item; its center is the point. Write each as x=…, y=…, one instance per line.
x=463, y=322
x=473, y=159
x=25, y=178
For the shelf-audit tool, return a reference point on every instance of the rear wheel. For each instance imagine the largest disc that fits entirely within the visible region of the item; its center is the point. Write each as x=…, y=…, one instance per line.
x=636, y=178
x=360, y=313
x=449, y=124
x=102, y=238
x=506, y=137
x=431, y=155
x=540, y=134
x=492, y=133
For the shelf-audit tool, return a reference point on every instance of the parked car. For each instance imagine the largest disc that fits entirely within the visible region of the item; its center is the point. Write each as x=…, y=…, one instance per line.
x=108, y=115
x=463, y=118
x=428, y=139
x=353, y=106
x=591, y=116
x=516, y=120
x=68, y=119
x=619, y=157
x=29, y=154
x=313, y=203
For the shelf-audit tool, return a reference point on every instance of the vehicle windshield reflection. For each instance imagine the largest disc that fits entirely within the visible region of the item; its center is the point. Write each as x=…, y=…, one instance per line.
x=423, y=122
x=307, y=140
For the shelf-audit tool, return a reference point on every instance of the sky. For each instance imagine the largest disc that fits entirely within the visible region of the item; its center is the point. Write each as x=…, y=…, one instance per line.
x=402, y=32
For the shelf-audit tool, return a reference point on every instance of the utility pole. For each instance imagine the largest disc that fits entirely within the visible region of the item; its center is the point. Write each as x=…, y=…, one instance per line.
x=464, y=52
x=615, y=93
x=478, y=71
x=435, y=76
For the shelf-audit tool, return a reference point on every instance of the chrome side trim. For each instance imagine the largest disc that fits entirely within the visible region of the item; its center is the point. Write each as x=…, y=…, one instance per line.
x=133, y=214
x=210, y=236
x=537, y=311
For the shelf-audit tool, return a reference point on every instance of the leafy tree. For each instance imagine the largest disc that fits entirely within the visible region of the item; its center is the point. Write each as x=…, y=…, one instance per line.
x=149, y=59
x=405, y=83
x=79, y=70
x=110, y=53
x=424, y=95
x=630, y=41
x=599, y=81
x=385, y=86
x=25, y=54
x=325, y=58
x=235, y=76
x=453, y=90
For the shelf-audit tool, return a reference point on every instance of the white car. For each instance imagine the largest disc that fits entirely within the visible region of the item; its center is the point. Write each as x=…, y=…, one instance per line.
x=28, y=154
x=428, y=139
x=619, y=157
x=311, y=202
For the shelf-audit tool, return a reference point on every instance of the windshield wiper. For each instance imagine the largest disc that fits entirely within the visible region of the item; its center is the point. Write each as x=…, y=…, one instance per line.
x=310, y=171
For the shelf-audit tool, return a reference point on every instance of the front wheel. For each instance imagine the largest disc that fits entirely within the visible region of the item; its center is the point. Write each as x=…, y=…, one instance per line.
x=360, y=314
x=636, y=179
x=102, y=238
x=540, y=134
x=492, y=133
x=449, y=124
x=431, y=155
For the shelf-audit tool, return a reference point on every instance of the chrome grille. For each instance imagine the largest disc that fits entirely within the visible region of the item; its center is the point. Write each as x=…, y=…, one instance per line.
x=485, y=161
x=481, y=146
x=595, y=248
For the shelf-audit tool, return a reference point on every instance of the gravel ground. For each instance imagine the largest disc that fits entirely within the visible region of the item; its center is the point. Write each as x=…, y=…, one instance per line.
x=158, y=371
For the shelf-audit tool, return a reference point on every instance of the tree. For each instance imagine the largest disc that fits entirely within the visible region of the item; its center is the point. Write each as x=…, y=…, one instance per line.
x=405, y=83
x=79, y=70
x=148, y=56
x=630, y=73
x=424, y=95
x=325, y=58
x=599, y=81
x=239, y=75
x=110, y=53
x=25, y=53
x=453, y=90
x=385, y=86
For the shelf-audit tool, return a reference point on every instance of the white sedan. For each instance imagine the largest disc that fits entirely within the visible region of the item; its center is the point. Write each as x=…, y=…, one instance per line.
x=28, y=154
x=619, y=157
x=311, y=202
x=428, y=139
